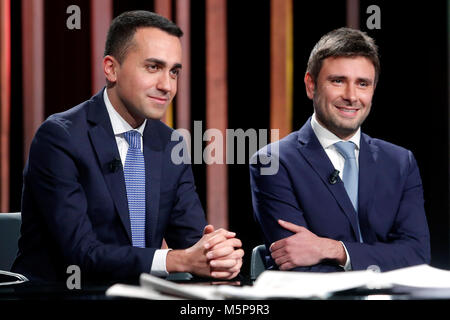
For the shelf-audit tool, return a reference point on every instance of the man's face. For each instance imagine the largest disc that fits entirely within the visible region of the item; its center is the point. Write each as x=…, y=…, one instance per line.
x=146, y=81
x=342, y=93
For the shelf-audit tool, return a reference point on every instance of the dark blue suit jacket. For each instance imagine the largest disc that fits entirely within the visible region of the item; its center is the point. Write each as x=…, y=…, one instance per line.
x=391, y=205
x=74, y=204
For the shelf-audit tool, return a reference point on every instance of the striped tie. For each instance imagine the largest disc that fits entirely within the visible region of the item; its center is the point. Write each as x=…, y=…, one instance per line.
x=135, y=183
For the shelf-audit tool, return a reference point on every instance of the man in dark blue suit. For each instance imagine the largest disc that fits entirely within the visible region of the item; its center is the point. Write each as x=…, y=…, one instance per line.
x=100, y=188
x=340, y=199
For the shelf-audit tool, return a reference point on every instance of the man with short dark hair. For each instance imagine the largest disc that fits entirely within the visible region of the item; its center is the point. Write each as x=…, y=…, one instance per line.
x=341, y=200
x=100, y=188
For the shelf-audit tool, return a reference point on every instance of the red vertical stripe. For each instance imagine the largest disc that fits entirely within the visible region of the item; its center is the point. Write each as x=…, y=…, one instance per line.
x=281, y=66
x=183, y=99
x=353, y=14
x=164, y=8
x=217, y=107
x=32, y=69
x=5, y=100
x=101, y=16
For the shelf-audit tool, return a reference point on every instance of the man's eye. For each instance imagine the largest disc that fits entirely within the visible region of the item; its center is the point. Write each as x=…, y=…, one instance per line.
x=174, y=73
x=338, y=81
x=363, y=84
x=152, y=67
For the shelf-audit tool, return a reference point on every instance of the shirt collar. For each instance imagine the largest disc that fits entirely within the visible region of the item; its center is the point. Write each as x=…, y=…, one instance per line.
x=118, y=123
x=327, y=138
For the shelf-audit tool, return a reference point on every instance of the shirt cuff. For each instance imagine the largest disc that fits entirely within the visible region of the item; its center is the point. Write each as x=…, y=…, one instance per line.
x=158, y=268
x=348, y=265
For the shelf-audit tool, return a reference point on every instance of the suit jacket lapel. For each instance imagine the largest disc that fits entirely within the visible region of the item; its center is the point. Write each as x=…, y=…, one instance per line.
x=313, y=152
x=367, y=176
x=153, y=149
x=102, y=138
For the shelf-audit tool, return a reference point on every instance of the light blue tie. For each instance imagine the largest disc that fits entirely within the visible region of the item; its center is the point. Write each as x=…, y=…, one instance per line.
x=350, y=174
x=135, y=184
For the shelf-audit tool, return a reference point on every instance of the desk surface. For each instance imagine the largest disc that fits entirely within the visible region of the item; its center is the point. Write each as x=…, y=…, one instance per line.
x=91, y=300
x=90, y=291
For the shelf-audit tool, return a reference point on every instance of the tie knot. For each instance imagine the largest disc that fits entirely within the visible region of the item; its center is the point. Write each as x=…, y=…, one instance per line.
x=346, y=149
x=133, y=138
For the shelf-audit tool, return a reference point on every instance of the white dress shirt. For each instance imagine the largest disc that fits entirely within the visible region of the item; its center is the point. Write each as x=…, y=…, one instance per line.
x=120, y=126
x=327, y=139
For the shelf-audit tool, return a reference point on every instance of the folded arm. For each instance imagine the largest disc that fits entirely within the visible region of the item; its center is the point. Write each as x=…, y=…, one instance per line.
x=296, y=247
x=275, y=205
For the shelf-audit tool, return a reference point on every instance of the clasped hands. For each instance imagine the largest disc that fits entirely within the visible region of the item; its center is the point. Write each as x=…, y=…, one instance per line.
x=217, y=254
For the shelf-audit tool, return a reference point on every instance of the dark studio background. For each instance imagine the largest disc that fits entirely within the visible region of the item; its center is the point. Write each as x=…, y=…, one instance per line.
x=410, y=106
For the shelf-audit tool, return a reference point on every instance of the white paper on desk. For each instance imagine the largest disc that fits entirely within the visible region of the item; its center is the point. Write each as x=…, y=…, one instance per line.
x=269, y=285
x=293, y=285
x=187, y=291
x=288, y=284
x=154, y=288
x=420, y=276
x=129, y=291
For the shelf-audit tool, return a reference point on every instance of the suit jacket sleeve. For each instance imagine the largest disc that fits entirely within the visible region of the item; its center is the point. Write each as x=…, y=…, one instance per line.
x=53, y=176
x=273, y=198
x=187, y=218
x=407, y=243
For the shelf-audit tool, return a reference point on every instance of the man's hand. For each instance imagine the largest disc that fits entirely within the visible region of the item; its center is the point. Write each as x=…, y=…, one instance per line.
x=224, y=255
x=304, y=248
x=217, y=254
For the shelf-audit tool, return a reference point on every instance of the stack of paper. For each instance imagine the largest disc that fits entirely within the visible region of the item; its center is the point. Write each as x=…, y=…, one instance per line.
x=290, y=285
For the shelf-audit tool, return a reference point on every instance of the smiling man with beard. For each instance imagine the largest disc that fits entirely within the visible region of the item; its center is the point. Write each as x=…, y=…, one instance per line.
x=341, y=200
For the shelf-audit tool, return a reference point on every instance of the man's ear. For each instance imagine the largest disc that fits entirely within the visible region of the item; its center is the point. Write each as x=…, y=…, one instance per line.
x=309, y=85
x=110, y=68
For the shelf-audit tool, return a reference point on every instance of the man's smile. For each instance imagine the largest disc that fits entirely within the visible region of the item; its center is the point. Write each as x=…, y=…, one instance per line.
x=159, y=100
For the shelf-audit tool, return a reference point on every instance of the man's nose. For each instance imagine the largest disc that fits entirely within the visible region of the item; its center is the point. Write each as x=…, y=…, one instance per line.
x=164, y=84
x=350, y=93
